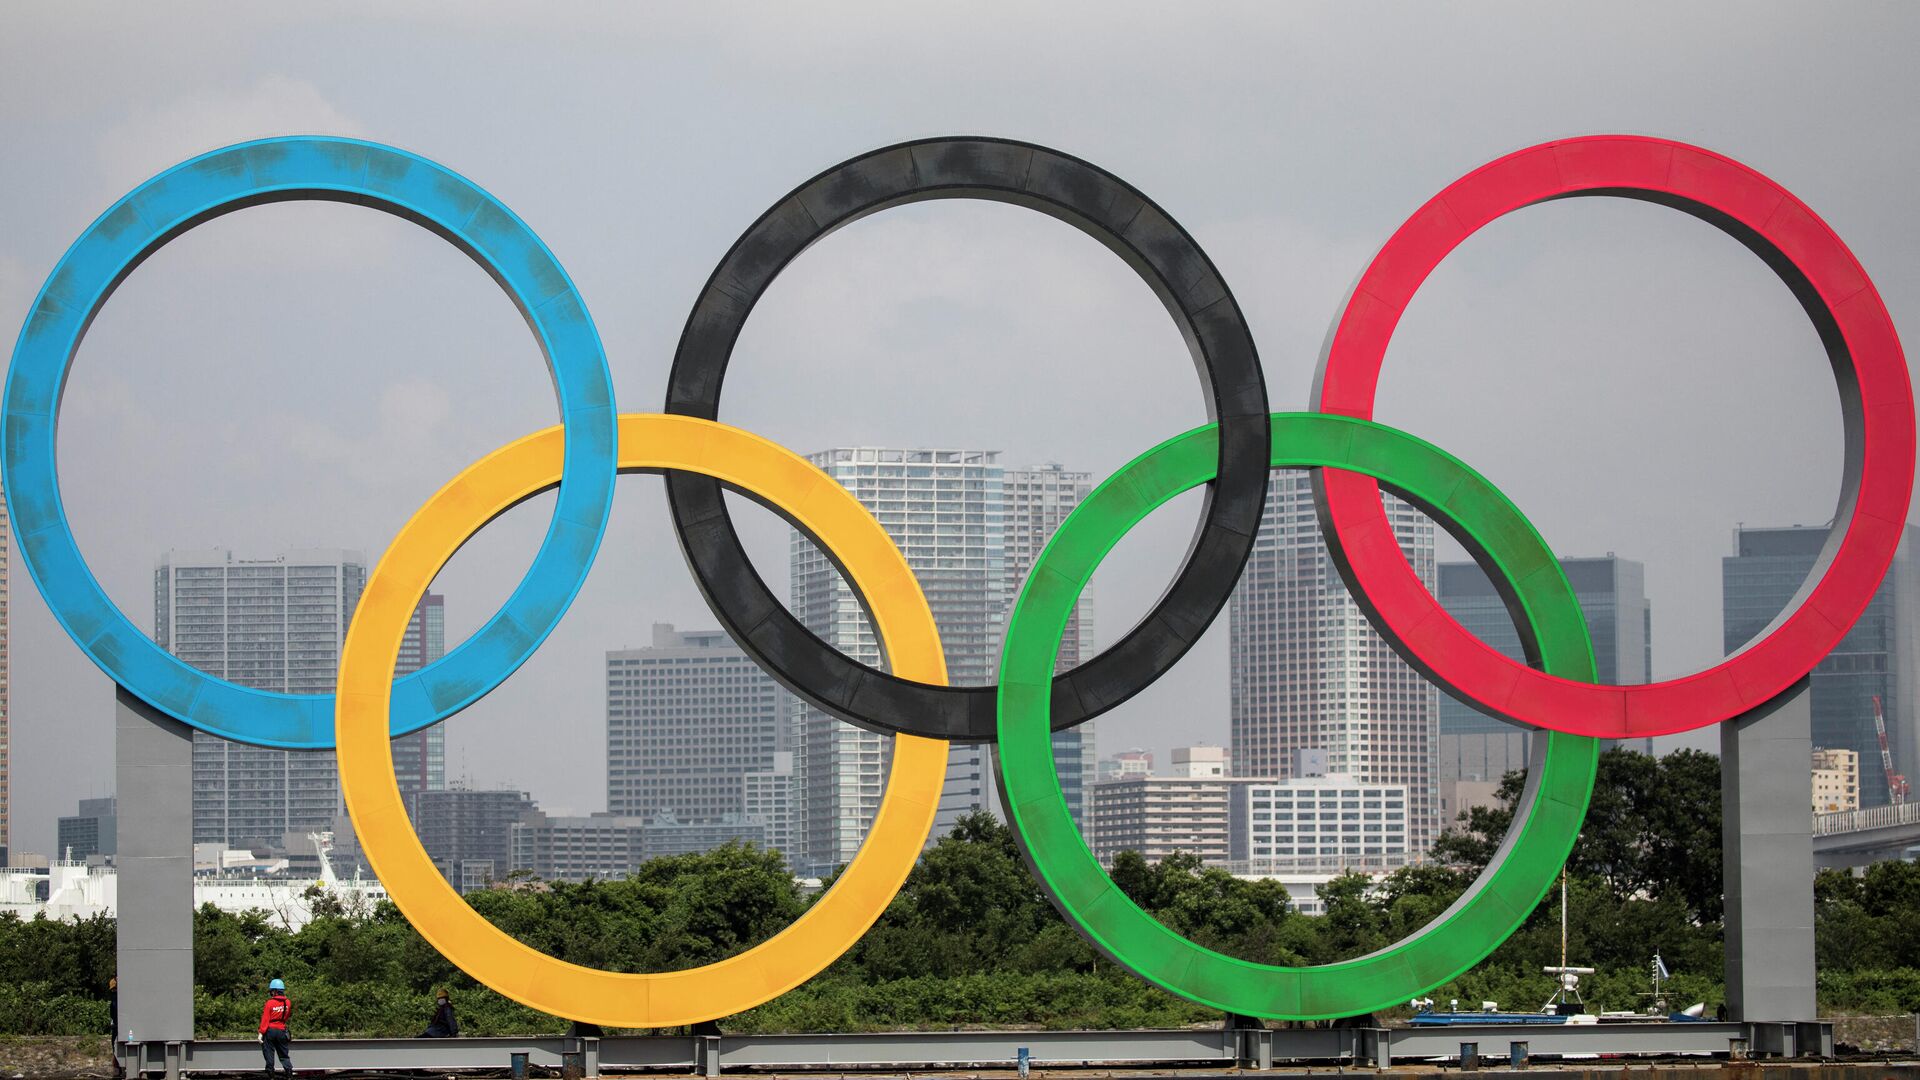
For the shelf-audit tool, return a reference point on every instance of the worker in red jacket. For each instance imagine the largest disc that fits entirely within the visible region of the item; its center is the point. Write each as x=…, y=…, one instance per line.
x=273, y=1028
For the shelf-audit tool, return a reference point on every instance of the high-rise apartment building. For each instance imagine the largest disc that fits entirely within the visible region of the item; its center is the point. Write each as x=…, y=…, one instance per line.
x=6, y=545
x=420, y=759
x=694, y=732
x=971, y=530
x=945, y=509
x=1308, y=672
x=767, y=799
x=1878, y=658
x=1036, y=501
x=1613, y=597
x=276, y=624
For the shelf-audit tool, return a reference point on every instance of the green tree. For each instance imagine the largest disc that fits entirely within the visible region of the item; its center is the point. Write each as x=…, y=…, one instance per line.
x=1652, y=829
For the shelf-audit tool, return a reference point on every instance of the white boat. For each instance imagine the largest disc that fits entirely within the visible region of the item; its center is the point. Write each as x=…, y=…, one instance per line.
x=79, y=890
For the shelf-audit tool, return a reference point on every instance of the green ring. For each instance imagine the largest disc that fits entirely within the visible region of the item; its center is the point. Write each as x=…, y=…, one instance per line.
x=1559, y=782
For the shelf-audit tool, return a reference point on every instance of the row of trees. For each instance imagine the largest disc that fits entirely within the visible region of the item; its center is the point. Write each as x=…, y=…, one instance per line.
x=971, y=939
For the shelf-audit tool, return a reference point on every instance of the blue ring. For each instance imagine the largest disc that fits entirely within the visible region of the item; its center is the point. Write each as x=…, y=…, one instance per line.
x=280, y=170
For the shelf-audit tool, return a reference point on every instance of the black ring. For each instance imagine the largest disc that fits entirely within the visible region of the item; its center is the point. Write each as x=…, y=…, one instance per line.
x=1105, y=208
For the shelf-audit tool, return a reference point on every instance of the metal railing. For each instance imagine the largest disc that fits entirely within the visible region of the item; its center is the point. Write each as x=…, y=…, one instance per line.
x=1873, y=817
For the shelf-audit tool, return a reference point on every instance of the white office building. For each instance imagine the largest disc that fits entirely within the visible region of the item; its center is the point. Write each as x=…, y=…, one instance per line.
x=1125, y=764
x=1329, y=824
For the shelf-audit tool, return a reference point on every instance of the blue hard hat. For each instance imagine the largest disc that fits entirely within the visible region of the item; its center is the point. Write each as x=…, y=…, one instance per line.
x=276, y=985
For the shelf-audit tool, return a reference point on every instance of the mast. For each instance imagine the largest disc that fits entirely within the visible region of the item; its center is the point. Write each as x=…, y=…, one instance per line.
x=1563, y=916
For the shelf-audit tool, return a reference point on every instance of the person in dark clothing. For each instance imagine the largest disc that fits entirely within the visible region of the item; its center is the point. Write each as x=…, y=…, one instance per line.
x=443, y=1025
x=113, y=1023
x=273, y=1028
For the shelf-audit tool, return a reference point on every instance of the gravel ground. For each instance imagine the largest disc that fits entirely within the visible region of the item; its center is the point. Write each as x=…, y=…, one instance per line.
x=52, y=1056
x=1875, y=1034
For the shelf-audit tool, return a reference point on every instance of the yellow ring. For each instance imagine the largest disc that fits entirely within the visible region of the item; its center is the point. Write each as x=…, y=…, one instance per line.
x=805, y=496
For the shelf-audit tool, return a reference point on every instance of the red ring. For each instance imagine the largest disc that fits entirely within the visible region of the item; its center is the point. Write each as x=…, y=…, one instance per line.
x=1876, y=397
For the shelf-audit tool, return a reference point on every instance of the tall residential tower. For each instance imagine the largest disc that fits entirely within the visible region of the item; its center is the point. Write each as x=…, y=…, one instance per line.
x=276, y=624
x=1036, y=500
x=420, y=759
x=945, y=509
x=1308, y=672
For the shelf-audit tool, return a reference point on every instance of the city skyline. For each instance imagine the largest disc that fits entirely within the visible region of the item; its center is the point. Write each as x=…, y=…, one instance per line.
x=1632, y=379
x=1767, y=562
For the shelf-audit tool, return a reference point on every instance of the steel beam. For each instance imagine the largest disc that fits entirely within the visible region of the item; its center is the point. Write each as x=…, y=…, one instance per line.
x=1388, y=1046
x=1224, y=1049
x=935, y=1048
x=635, y=1052
x=1767, y=854
x=153, y=779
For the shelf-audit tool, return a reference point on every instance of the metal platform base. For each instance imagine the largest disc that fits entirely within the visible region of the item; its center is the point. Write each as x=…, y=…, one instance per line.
x=1248, y=1048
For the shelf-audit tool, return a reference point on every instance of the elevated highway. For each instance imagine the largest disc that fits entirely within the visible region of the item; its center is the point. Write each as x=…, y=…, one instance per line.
x=1858, y=837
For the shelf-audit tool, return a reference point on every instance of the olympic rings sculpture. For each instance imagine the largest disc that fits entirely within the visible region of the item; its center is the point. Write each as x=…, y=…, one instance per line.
x=1350, y=458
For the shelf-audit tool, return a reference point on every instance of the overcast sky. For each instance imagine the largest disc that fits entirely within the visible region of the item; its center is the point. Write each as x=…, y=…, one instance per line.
x=306, y=375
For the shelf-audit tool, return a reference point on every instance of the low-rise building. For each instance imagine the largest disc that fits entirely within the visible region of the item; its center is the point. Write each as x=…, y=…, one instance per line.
x=1836, y=781
x=469, y=834
x=1457, y=797
x=1197, y=761
x=1158, y=816
x=664, y=836
x=1125, y=765
x=560, y=848
x=1317, y=823
x=577, y=848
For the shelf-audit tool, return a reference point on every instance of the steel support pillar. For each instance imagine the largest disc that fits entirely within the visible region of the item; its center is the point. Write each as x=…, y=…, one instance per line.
x=153, y=780
x=1767, y=852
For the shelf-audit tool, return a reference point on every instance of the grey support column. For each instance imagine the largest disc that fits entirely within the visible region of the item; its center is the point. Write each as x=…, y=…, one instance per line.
x=153, y=779
x=1767, y=840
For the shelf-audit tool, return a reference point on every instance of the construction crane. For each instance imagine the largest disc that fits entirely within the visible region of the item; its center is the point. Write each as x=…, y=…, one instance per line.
x=1896, y=784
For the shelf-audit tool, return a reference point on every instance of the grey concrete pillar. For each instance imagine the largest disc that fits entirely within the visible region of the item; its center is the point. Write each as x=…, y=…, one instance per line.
x=1767, y=848
x=153, y=779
